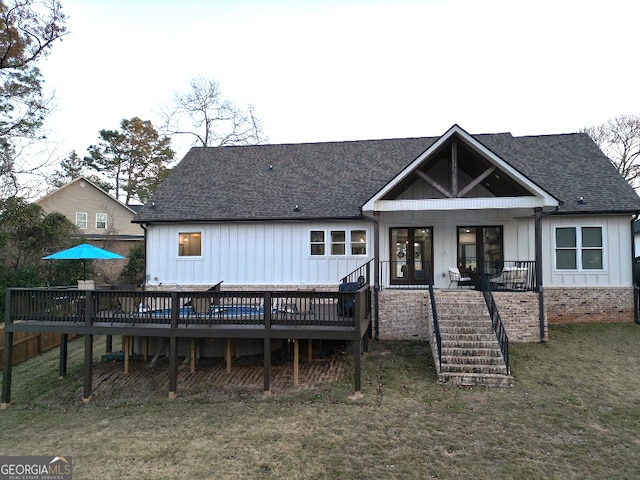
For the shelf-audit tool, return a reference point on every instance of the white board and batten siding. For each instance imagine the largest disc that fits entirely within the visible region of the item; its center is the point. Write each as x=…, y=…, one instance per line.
x=251, y=254
x=617, y=252
x=519, y=242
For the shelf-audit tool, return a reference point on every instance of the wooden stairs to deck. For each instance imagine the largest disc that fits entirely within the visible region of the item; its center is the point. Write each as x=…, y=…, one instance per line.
x=470, y=351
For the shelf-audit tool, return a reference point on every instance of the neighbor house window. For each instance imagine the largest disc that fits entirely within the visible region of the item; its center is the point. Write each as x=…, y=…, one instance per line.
x=81, y=221
x=317, y=242
x=579, y=248
x=101, y=221
x=190, y=244
x=338, y=242
x=358, y=242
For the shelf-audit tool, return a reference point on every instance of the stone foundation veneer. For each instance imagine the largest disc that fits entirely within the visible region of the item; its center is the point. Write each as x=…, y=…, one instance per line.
x=589, y=304
x=403, y=314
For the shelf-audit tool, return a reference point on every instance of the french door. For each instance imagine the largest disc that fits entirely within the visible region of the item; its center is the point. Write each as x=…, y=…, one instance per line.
x=411, y=255
x=480, y=249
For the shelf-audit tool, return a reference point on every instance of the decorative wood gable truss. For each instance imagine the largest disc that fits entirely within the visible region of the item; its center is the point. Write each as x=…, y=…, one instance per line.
x=459, y=173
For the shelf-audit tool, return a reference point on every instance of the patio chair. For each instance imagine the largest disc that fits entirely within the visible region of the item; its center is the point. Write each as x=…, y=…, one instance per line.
x=456, y=276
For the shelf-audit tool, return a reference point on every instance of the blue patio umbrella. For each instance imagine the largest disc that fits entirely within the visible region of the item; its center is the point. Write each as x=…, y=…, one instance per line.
x=84, y=252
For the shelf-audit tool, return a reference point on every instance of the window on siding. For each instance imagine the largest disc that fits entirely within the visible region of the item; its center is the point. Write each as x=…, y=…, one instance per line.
x=358, y=242
x=190, y=244
x=81, y=221
x=101, y=221
x=338, y=242
x=579, y=248
x=317, y=242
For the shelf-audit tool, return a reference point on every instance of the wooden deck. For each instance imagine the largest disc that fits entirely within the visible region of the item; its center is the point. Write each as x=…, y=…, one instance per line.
x=294, y=315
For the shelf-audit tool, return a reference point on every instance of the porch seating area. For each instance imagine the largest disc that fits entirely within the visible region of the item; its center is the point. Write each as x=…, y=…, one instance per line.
x=504, y=275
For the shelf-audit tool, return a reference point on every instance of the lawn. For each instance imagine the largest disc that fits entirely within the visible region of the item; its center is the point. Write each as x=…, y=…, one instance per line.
x=574, y=412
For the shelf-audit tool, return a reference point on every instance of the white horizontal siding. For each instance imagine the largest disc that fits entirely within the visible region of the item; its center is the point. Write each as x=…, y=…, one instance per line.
x=250, y=254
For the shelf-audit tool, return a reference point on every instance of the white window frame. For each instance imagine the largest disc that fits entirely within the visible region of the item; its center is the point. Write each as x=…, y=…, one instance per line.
x=180, y=240
x=323, y=243
x=329, y=244
x=86, y=220
x=579, y=248
x=98, y=222
x=337, y=244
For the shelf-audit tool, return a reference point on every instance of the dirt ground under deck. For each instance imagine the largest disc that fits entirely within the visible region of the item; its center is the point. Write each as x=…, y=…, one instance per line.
x=146, y=379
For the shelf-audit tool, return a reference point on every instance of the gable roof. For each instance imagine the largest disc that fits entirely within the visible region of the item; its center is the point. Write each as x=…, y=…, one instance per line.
x=537, y=197
x=333, y=180
x=78, y=180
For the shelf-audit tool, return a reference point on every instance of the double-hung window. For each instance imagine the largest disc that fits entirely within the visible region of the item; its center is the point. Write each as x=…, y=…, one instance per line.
x=317, y=242
x=81, y=220
x=579, y=248
x=101, y=221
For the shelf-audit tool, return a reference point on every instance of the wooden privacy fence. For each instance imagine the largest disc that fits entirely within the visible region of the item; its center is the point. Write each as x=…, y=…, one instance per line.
x=27, y=345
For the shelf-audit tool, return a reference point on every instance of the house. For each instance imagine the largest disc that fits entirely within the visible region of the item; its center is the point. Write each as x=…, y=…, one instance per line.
x=308, y=215
x=99, y=218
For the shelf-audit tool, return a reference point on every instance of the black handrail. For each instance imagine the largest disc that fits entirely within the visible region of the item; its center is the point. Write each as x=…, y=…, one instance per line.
x=361, y=275
x=496, y=320
x=436, y=326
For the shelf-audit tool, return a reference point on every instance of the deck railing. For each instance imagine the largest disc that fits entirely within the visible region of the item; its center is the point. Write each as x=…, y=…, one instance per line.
x=400, y=274
x=185, y=309
x=496, y=320
x=510, y=275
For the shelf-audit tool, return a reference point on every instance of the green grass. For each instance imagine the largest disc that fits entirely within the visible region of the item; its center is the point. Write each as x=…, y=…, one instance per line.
x=574, y=412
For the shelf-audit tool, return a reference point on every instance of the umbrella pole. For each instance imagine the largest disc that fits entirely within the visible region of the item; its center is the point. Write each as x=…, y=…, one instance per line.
x=84, y=269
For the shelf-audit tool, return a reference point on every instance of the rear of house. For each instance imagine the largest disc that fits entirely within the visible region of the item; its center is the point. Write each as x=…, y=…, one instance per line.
x=547, y=219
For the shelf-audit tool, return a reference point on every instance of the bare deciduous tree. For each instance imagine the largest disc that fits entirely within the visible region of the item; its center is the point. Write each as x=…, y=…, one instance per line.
x=619, y=139
x=28, y=30
x=203, y=114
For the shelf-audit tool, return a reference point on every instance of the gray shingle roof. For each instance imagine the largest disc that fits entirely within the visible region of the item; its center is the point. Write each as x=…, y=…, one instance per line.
x=334, y=179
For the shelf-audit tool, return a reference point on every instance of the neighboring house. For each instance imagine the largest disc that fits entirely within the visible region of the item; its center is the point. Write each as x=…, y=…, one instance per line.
x=277, y=216
x=99, y=218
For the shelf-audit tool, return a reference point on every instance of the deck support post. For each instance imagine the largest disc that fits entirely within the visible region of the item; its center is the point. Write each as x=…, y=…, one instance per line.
x=310, y=350
x=173, y=348
x=193, y=355
x=62, y=366
x=88, y=368
x=357, y=352
x=227, y=355
x=296, y=362
x=88, y=349
x=109, y=344
x=125, y=353
x=7, y=358
x=267, y=345
x=173, y=367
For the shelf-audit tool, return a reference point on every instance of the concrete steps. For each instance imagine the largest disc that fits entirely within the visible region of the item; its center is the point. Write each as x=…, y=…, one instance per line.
x=470, y=351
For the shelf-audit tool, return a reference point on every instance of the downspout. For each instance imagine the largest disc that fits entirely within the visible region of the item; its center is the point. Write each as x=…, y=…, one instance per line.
x=144, y=262
x=636, y=315
x=539, y=215
x=376, y=273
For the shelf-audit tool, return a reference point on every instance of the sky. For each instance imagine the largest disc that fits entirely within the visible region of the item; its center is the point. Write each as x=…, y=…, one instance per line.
x=348, y=69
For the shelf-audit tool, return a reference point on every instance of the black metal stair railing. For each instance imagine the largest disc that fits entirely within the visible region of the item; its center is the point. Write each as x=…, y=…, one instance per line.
x=496, y=320
x=436, y=326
